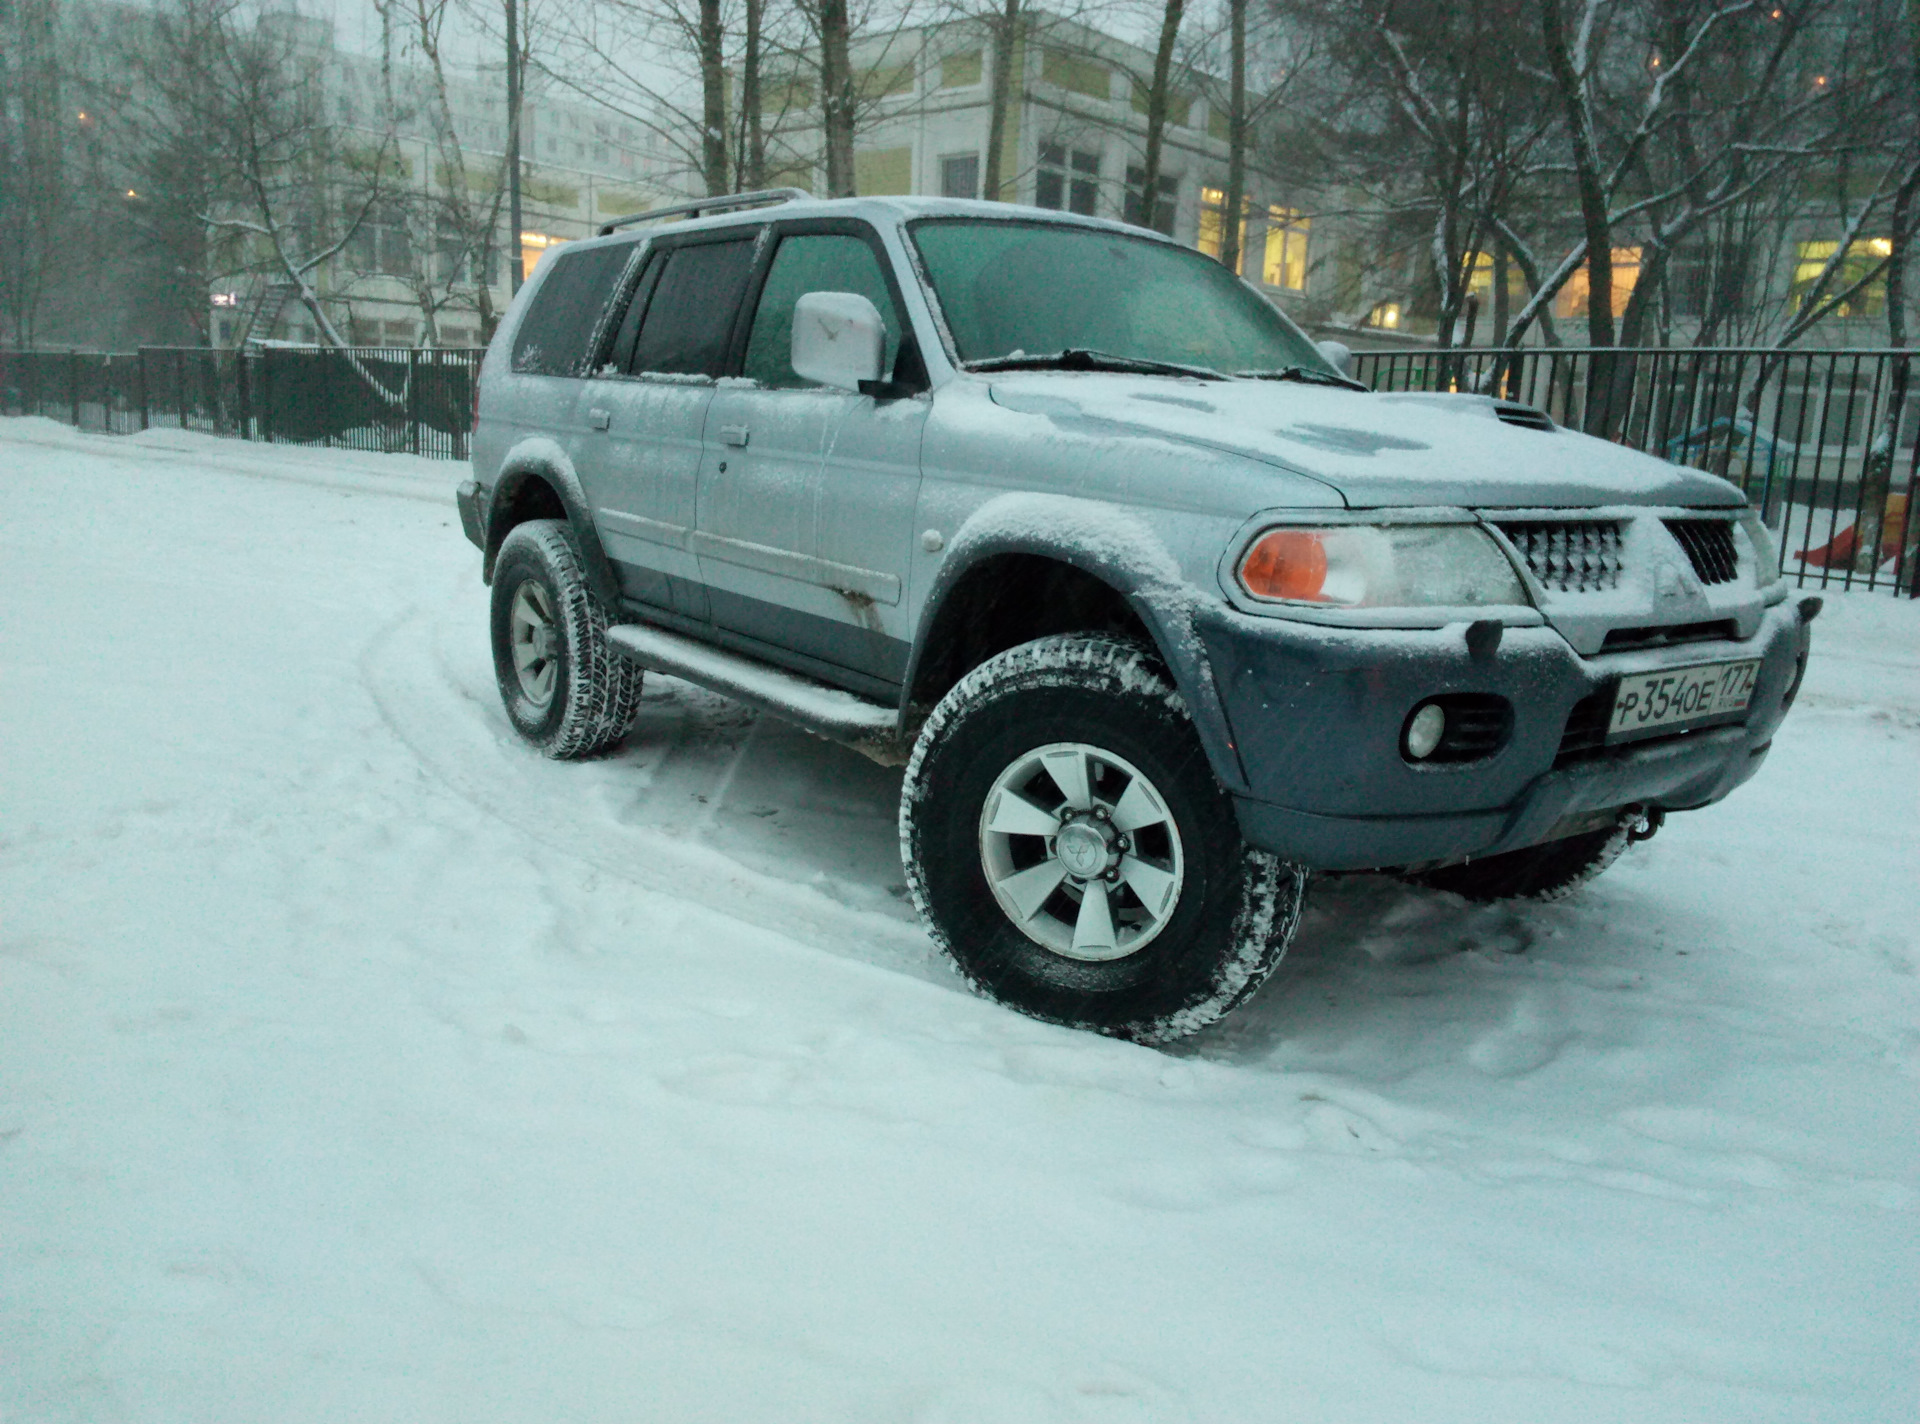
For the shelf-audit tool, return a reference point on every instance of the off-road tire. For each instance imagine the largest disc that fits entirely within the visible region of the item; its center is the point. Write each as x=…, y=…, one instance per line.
x=1551, y=871
x=1236, y=908
x=595, y=693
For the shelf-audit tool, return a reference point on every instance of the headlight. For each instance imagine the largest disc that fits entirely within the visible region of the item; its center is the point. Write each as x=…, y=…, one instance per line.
x=1766, y=556
x=1384, y=566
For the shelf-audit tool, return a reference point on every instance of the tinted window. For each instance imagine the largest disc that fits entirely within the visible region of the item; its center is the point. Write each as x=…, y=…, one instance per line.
x=813, y=262
x=556, y=335
x=1009, y=287
x=687, y=323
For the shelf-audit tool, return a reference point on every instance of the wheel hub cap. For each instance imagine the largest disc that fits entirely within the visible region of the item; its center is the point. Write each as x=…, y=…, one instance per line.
x=1081, y=851
x=530, y=623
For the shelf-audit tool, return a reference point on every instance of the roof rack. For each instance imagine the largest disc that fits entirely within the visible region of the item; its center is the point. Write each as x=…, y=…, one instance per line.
x=711, y=205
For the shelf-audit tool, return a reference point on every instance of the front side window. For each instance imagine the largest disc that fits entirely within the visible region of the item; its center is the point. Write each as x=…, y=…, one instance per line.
x=555, y=338
x=813, y=262
x=690, y=317
x=1014, y=288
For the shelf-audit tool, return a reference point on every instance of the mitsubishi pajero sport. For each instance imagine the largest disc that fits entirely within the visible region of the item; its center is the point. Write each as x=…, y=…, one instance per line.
x=1159, y=609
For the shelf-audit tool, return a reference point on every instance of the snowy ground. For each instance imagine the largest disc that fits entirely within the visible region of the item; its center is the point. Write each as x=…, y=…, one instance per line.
x=358, y=1065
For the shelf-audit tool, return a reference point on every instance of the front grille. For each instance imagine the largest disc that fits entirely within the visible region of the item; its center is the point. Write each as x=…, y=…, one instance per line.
x=1709, y=546
x=1623, y=639
x=1478, y=725
x=1524, y=416
x=1569, y=556
x=1586, y=727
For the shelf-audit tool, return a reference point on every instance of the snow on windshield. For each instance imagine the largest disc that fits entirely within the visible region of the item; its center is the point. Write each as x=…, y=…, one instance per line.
x=1038, y=287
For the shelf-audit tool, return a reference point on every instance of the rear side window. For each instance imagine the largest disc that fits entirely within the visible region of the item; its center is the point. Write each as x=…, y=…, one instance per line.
x=813, y=262
x=690, y=318
x=556, y=335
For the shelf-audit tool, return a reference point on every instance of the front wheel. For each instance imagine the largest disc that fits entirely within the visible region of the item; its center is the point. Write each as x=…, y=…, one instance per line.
x=1551, y=871
x=1068, y=846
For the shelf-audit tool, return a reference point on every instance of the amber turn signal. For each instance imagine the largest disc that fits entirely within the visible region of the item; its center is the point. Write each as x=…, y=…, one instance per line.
x=1286, y=563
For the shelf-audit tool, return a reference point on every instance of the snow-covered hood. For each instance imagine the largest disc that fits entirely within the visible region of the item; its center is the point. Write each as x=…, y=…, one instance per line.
x=1375, y=449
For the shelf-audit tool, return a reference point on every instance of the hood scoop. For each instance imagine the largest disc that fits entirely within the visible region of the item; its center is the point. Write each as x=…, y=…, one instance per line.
x=1524, y=416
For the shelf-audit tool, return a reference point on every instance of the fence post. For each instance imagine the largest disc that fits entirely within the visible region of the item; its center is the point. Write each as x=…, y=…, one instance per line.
x=73, y=385
x=242, y=393
x=264, y=379
x=413, y=398
x=140, y=379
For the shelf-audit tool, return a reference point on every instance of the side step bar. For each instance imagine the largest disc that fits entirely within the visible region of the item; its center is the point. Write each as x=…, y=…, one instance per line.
x=868, y=727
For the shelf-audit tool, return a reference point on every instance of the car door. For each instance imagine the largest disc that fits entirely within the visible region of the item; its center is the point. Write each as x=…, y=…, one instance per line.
x=647, y=411
x=807, y=494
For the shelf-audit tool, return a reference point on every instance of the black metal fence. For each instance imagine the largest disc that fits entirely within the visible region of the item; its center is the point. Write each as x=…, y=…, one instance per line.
x=1822, y=442
x=371, y=398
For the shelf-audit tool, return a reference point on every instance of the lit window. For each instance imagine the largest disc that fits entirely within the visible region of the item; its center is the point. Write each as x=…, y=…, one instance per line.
x=1213, y=224
x=534, y=246
x=1285, y=261
x=1861, y=258
x=1385, y=315
x=1573, y=298
x=1480, y=274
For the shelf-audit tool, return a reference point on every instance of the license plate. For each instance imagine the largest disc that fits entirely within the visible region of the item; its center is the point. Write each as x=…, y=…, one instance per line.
x=1664, y=699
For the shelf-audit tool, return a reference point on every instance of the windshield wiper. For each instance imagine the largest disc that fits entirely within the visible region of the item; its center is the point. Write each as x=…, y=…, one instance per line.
x=1079, y=359
x=1305, y=375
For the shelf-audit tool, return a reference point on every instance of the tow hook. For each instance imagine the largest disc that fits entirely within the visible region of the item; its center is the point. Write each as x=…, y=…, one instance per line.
x=1643, y=823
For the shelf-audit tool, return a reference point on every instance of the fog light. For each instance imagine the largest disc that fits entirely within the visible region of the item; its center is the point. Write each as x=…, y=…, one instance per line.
x=1424, y=729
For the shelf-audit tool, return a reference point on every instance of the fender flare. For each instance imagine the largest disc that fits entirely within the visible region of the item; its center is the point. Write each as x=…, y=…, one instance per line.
x=1121, y=550
x=538, y=457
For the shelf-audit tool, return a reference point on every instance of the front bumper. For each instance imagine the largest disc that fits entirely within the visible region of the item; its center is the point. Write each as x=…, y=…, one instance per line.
x=1315, y=716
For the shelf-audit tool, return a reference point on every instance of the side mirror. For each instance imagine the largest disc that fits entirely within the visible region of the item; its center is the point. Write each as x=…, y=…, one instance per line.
x=1337, y=354
x=838, y=339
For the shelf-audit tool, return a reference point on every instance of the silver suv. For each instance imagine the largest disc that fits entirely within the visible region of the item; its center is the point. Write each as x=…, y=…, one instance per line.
x=1159, y=609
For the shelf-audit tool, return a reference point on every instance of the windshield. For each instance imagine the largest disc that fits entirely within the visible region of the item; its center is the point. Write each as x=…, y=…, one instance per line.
x=1037, y=288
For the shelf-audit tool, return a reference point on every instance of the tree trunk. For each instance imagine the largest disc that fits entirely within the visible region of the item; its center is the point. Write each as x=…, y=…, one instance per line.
x=1501, y=299
x=1006, y=48
x=1593, y=197
x=711, y=44
x=1157, y=99
x=516, y=251
x=836, y=97
x=750, y=103
x=1232, y=224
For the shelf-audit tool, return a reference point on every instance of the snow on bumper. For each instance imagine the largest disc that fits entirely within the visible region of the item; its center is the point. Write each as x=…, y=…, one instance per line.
x=1316, y=714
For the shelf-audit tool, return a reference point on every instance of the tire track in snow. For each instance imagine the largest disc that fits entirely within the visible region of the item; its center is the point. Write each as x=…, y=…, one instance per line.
x=562, y=807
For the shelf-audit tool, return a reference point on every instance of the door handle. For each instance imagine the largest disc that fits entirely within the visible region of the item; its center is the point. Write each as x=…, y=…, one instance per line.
x=733, y=435
x=599, y=419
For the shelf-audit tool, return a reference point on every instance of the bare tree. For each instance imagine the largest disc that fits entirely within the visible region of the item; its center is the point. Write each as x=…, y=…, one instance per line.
x=1159, y=95
x=454, y=215
x=35, y=196
x=287, y=188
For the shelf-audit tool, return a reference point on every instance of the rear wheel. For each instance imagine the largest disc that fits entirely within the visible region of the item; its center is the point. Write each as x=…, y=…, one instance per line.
x=1068, y=846
x=564, y=687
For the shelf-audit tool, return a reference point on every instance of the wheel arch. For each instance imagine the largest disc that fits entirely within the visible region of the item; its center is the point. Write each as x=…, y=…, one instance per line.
x=538, y=481
x=1028, y=566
